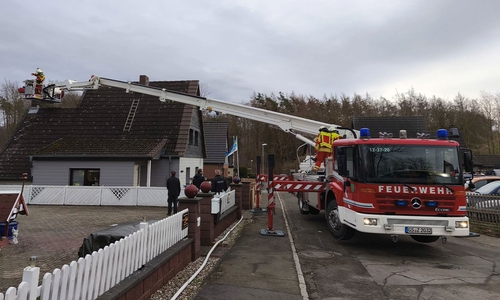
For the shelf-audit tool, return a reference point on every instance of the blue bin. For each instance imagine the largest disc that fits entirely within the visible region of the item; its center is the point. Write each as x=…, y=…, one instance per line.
x=12, y=225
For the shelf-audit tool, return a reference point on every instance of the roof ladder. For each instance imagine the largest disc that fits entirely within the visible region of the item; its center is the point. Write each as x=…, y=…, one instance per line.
x=131, y=115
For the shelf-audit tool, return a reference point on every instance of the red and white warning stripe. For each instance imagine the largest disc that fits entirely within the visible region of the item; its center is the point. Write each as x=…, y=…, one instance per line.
x=298, y=186
x=263, y=178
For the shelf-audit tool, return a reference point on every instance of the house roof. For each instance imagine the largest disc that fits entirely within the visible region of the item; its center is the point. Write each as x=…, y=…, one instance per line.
x=103, y=125
x=392, y=124
x=215, y=142
x=487, y=161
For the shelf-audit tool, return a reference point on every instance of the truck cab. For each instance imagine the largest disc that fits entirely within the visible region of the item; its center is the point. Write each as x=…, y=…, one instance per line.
x=412, y=186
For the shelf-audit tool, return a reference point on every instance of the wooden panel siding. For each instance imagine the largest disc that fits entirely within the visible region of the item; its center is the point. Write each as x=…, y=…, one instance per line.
x=160, y=170
x=113, y=173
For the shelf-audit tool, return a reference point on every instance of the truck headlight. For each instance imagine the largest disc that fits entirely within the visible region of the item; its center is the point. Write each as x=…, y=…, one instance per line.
x=461, y=224
x=370, y=221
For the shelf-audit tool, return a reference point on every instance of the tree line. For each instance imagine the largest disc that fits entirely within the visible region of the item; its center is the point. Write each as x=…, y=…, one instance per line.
x=478, y=121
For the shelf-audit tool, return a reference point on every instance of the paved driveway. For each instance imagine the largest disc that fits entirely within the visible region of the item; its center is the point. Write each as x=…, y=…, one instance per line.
x=55, y=233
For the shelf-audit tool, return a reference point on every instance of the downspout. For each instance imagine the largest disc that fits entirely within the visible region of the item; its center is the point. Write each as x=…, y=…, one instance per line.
x=148, y=184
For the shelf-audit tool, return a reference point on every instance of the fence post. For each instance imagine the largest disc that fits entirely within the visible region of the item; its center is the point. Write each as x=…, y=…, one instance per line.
x=238, y=189
x=144, y=243
x=31, y=275
x=193, y=205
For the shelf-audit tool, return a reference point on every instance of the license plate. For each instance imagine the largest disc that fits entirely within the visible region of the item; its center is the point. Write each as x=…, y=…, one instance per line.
x=418, y=230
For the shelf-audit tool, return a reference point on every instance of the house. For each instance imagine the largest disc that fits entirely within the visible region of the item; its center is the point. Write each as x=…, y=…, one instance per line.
x=216, y=144
x=112, y=138
x=486, y=163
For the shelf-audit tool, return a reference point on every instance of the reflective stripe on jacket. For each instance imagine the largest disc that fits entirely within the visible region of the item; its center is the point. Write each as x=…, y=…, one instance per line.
x=324, y=140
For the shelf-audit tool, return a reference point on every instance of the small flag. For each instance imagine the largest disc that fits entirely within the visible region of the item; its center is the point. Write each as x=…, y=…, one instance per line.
x=234, y=148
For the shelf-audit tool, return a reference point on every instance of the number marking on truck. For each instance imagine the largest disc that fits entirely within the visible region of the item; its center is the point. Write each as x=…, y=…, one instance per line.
x=418, y=230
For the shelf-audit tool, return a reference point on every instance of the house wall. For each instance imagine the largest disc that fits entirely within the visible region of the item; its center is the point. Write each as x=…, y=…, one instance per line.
x=160, y=171
x=112, y=173
x=191, y=166
x=209, y=170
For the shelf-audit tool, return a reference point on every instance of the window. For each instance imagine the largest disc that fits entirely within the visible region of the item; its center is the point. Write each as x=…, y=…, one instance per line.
x=84, y=177
x=191, y=136
x=393, y=163
x=196, y=133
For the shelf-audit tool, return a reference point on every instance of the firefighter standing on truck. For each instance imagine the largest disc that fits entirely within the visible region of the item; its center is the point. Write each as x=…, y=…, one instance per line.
x=324, y=145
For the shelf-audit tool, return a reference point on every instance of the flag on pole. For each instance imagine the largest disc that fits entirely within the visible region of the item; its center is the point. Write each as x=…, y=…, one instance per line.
x=234, y=148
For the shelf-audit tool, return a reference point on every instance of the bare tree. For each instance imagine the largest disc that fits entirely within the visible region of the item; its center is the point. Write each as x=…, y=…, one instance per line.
x=204, y=90
x=13, y=107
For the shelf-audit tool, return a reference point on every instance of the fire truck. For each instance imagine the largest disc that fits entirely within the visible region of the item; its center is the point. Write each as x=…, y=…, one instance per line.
x=391, y=184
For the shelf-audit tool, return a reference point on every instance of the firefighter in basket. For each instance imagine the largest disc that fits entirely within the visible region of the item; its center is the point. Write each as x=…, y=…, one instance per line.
x=40, y=78
x=324, y=145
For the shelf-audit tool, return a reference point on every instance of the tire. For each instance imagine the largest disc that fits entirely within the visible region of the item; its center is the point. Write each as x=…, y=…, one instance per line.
x=424, y=238
x=303, y=207
x=337, y=229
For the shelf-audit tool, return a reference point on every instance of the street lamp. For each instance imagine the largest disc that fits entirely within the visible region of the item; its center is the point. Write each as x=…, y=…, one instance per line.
x=263, y=160
x=251, y=165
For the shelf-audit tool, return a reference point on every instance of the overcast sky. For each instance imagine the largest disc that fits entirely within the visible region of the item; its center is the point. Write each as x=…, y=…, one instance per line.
x=236, y=48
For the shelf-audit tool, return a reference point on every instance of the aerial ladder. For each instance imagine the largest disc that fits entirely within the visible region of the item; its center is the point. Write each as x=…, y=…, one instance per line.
x=296, y=126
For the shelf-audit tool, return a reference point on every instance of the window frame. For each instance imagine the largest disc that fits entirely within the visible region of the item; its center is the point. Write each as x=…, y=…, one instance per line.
x=86, y=174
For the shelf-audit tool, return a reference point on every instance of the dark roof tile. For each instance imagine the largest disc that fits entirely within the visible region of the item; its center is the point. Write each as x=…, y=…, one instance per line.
x=216, y=134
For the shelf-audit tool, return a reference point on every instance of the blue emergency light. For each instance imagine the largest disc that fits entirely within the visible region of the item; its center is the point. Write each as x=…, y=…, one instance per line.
x=442, y=134
x=364, y=133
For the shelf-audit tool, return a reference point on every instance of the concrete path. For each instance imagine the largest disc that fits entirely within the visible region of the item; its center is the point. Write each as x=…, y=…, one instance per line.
x=257, y=266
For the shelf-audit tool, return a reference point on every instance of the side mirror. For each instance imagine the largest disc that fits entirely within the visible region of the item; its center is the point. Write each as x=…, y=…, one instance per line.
x=468, y=163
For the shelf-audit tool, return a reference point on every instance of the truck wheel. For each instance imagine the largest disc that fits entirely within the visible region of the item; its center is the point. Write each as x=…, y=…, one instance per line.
x=337, y=229
x=303, y=207
x=424, y=238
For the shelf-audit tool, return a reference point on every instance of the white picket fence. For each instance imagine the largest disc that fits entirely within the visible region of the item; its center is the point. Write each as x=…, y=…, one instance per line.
x=95, y=274
x=92, y=195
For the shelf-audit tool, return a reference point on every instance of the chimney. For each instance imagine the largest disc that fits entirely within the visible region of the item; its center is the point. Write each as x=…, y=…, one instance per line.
x=144, y=80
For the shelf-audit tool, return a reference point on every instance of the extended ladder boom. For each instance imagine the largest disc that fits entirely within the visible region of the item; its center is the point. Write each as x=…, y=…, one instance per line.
x=288, y=123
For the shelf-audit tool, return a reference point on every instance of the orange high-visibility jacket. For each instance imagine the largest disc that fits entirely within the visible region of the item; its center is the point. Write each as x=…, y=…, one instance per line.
x=324, y=142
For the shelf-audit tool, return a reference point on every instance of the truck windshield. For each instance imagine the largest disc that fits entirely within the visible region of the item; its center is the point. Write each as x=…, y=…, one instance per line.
x=405, y=164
